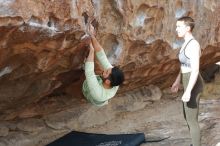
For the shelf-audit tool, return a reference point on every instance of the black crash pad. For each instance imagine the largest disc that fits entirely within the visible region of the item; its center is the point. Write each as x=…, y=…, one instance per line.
x=75, y=138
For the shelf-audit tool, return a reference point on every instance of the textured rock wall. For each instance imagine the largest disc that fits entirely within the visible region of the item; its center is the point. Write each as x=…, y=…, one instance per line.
x=42, y=47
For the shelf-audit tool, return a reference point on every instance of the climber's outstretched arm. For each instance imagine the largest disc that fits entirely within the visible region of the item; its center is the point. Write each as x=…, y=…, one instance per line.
x=95, y=43
x=100, y=53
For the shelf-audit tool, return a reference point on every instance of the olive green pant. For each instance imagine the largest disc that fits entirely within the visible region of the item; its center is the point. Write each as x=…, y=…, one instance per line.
x=191, y=108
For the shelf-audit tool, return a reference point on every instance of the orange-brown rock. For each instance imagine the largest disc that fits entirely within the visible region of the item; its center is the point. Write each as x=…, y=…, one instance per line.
x=42, y=47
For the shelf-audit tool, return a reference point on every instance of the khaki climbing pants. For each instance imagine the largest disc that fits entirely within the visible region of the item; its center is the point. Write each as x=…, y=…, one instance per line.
x=191, y=108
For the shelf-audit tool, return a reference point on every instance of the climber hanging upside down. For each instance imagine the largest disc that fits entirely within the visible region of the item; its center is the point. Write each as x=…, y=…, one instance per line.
x=98, y=89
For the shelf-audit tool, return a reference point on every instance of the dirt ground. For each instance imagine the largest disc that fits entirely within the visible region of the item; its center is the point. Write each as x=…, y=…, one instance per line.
x=164, y=120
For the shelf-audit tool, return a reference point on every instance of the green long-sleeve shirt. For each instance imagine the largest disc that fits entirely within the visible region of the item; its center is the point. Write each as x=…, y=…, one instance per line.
x=93, y=89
